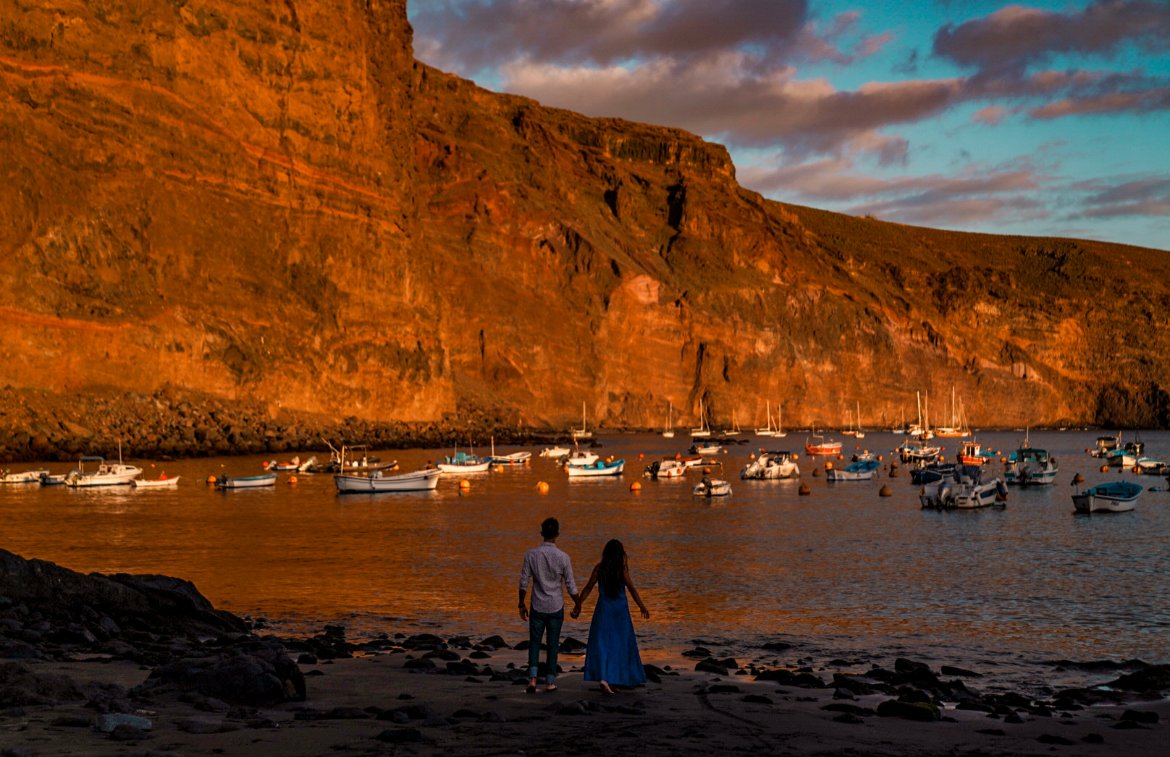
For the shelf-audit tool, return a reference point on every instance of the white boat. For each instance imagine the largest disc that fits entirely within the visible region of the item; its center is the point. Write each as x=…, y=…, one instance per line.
x=245, y=482
x=966, y=491
x=767, y=430
x=24, y=477
x=555, y=452
x=426, y=479
x=1111, y=497
x=703, y=431
x=862, y=470
x=668, y=468
x=599, y=468
x=462, y=462
x=287, y=465
x=156, y=483
x=308, y=465
x=816, y=444
x=579, y=457
x=771, y=465
x=668, y=432
x=695, y=461
x=1149, y=466
x=100, y=473
x=1029, y=466
x=916, y=451
x=512, y=460
x=706, y=450
x=712, y=487
x=53, y=479
x=583, y=432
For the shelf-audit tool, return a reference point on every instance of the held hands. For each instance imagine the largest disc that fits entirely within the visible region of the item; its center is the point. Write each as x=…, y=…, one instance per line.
x=576, y=610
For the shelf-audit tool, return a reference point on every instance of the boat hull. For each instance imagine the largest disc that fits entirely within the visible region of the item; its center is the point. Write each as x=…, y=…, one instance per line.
x=156, y=483
x=423, y=480
x=24, y=477
x=596, y=470
x=246, y=482
x=1116, y=497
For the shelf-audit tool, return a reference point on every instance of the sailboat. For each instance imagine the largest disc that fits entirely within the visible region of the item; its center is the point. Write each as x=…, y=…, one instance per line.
x=703, y=431
x=858, y=432
x=668, y=432
x=768, y=430
x=956, y=427
x=583, y=432
x=779, y=433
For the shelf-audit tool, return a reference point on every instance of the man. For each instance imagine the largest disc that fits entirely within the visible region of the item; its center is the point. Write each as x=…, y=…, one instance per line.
x=550, y=573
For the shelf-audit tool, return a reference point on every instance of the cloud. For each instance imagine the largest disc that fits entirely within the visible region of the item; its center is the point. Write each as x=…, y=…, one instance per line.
x=723, y=97
x=1010, y=40
x=1109, y=102
x=471, y=34
x=1149, y=196
x=979, y=194
x=991, y=115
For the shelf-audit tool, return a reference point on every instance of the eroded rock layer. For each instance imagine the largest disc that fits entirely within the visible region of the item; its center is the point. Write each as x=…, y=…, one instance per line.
x=271, y=205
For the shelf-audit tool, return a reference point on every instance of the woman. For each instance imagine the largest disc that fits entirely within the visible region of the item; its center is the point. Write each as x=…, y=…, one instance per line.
x=611, y=656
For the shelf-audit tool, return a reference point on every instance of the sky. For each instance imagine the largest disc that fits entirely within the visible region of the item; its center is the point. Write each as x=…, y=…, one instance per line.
x=1049, y=117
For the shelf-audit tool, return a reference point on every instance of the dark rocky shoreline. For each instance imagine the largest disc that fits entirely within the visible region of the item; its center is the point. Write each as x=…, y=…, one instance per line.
x=214, y=661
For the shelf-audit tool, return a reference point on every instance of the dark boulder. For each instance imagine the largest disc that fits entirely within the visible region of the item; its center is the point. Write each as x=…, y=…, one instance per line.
x=260, y=674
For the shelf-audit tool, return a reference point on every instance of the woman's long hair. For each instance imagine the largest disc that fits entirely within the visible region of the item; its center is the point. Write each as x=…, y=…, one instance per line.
x=611, y=571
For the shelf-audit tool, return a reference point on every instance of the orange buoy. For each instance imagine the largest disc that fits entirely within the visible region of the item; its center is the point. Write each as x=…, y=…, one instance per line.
x=1078, y=479
x=828, y=465
x=641, y=455
x=464, y=485
x=752, y=456
x=804, y=489
x=816, y=472
x=211, y=479
x=1104, y=468
x=885, y=491
x=636, y=487
x=542, y=487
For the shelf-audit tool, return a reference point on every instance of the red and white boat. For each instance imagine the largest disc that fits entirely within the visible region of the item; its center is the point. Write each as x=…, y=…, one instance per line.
x=819, y=445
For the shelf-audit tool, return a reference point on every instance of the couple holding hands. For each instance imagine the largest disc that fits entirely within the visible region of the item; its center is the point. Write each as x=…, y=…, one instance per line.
x=611, y=655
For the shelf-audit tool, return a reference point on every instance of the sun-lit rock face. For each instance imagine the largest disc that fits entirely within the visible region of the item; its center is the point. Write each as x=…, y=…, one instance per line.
x=272, y=203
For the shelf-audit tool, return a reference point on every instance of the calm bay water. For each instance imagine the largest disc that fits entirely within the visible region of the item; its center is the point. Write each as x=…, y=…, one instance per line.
x=843, y=571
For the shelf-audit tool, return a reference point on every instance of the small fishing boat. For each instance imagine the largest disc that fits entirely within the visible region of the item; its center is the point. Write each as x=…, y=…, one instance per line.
x=512, y=460
x=1030, y=466
x=770, y=465
x=287, y=465
x=862, y=470
x=93, y=471
x=426, y=479
x=580, y=457
x=712, y=487
x=817, y=444
x=162, y=482
x=53, y=479
x=555, y=452
x=245, y=482
x=917, y=451
x=308, y=465
x=1148, y=466
x=694, y=461
x=598, y=468
x=667, y=468
x=24, y=477
x=463, y=462
x=972, y=453
x=929, y=473
x=1110, y=497
x=1105, y=445
x=708, y=449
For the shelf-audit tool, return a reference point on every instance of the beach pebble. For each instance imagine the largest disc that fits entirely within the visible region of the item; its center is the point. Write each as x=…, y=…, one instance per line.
x=204, y=726
x=125, y=732
x=923, y=711
x=1048, y=738
x=757, y=699
x=494, y=642
x=722, y=688
x=949, y=670
x=1140, y=716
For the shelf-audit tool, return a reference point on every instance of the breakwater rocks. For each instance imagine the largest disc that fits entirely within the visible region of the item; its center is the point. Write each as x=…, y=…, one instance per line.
x=50, y=613
x=166, y=424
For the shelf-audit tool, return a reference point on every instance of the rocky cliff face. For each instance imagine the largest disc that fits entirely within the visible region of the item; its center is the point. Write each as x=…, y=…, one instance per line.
x=271, y=205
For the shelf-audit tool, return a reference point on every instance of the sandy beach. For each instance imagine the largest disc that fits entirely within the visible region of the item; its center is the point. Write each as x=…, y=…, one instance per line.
x=380, y=703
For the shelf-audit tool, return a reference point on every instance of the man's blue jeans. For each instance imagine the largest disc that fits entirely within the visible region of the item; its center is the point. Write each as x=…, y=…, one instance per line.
x=538, y=623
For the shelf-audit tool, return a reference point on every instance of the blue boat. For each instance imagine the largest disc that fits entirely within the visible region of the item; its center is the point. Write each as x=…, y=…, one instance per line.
x=862, y=470
x=1110, y=497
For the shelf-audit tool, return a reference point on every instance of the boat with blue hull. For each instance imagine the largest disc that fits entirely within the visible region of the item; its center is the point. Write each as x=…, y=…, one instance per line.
x=1109, y=497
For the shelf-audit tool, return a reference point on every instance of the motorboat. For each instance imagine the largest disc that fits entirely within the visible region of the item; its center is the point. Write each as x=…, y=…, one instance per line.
x=972, y=453
x=23, y=477
x=598, y=468
x=964, y=490
x=915, y=450
x=287, y=465
x=555, y=452
x=1106, y=444
x=712, y=487
x=426, y=479
x=579, y=457
x=1110, y=497
x=668, y=468
x=511, y=460
x=707, y=449
x=929, y=473
x=245, y=482
x=771, y=464
x=93, y=471
x=1030, y=466
x=862, y=470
